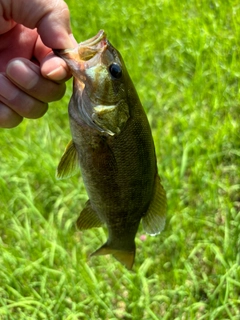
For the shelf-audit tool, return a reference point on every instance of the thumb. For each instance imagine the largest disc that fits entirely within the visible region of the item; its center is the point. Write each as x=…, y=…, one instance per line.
x=50, y=17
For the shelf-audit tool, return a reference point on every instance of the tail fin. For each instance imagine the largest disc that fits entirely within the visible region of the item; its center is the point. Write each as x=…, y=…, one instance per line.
x=125, y=257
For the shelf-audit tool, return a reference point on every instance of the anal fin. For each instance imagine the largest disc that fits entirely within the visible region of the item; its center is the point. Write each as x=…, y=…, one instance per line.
x=88, y=218
x=154, y=220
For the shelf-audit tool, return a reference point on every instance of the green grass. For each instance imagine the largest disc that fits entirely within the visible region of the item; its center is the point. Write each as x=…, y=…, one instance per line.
x=184, y=60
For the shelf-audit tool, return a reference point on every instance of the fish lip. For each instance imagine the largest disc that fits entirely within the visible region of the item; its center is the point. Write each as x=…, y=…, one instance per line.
x=86, y=50
x=94, y=40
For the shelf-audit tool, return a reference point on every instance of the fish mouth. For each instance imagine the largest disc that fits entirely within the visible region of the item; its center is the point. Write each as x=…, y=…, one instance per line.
x=86, y=53
x=89, y=48
x=94, y=40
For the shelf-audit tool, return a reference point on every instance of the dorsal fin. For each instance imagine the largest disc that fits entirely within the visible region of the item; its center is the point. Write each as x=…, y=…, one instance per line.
x=154, y=220
x=88, y=218
x=68, y=164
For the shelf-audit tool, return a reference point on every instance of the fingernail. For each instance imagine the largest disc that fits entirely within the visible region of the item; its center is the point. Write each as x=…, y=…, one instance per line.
x=7, y=89
x=22, y=74
x=58, y=74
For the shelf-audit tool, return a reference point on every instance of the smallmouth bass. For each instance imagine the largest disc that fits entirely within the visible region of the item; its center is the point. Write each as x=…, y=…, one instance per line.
x=113, y=145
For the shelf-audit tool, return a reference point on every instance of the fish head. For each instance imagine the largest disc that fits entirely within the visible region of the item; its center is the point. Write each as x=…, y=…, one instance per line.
x=100, y=91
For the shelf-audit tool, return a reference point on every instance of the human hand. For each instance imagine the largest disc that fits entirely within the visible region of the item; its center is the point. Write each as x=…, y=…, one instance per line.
x=30, y=74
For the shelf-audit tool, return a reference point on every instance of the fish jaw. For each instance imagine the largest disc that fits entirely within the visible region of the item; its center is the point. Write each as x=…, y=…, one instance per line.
x=85, y=55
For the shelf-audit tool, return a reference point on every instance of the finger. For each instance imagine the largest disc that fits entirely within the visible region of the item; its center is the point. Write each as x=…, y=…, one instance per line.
x=51, y=66
x=52, y=19
x=55, y=68
x=19, y=101
x=8, y=118
x=18, y=42
x=26, y=75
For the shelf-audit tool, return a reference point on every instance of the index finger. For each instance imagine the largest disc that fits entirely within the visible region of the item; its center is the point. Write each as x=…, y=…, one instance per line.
x=50, y=17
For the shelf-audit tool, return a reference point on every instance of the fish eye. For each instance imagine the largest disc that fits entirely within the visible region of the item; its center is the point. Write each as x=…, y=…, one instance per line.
x=115, y=70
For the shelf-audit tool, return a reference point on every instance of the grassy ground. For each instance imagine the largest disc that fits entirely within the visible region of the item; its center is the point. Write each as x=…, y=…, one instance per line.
x=184, y=60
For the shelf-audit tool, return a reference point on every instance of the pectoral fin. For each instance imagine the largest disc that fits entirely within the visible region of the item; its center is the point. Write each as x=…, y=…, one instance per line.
x=154, y=220
x=102, y=116
x=88, y=218
x=111, y=118
x=68, y=164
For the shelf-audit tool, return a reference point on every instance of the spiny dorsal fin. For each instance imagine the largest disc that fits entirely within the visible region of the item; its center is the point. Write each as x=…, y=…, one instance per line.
x=125, y=257
x=154, y=220
x=88, y=218
x=68, y=164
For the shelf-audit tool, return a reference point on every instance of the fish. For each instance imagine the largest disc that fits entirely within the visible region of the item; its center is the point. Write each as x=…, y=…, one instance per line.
x=113, y=145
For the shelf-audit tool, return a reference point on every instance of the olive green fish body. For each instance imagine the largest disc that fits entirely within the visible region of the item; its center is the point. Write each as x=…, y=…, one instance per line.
x=118, y=173
x=112, y=143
